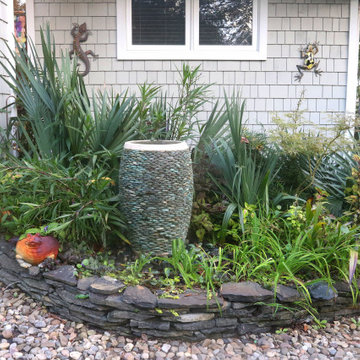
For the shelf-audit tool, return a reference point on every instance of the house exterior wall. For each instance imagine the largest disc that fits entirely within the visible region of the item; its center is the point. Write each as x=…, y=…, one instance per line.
x=6, y=16
x=268, y=86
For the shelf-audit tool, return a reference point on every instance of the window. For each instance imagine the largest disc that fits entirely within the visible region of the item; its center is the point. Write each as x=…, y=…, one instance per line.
x=192, y=29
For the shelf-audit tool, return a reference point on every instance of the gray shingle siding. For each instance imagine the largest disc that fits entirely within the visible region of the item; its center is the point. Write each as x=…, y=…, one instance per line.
x=267, y=86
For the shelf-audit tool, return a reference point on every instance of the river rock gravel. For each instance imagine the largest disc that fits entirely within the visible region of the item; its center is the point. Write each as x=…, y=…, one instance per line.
x=29, y=331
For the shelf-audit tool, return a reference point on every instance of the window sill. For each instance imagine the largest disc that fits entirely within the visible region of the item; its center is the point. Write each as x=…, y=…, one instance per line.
x=216, y=54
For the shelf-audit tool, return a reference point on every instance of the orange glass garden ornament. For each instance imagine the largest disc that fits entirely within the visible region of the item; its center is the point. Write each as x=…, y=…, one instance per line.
x=34, y=249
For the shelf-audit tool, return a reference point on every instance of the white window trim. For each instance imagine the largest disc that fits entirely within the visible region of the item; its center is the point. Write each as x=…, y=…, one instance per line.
x=30, y=20
x=352, y=71
x=191, y=51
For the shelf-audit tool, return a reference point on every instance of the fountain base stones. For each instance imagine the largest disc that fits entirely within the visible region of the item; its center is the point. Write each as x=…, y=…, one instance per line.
x=156, y=190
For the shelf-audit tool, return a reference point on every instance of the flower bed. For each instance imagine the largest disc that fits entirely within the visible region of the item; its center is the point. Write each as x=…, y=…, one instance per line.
x=134, y=310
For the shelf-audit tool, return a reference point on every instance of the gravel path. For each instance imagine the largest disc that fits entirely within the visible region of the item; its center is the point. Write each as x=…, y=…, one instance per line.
x=28, y=331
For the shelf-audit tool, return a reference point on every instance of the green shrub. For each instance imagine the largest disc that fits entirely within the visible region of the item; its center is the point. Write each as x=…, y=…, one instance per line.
x=79, y=199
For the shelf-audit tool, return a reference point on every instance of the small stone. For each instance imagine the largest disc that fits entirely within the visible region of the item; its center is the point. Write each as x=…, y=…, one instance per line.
x=4, y=345
x=63, y=340
x=248, y=350
x=7, y=334
x=40, y=324
x=166, y=348
x=75, y=355
x=271, y=354
x=332, y=351
x=65, y=353
x=128, y=347
x=128, y=356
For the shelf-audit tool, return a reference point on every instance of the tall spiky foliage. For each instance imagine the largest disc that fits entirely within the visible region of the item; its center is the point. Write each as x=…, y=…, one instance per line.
x=64, y=123
x=246, y=171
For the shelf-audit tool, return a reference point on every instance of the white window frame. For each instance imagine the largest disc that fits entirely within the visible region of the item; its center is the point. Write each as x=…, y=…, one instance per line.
x=191, y=50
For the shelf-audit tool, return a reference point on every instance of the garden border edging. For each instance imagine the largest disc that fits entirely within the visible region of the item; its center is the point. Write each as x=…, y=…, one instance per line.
x=136, y=310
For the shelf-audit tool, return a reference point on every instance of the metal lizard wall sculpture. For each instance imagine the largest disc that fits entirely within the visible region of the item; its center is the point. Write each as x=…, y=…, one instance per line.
x=80, y=34
x=308, y=53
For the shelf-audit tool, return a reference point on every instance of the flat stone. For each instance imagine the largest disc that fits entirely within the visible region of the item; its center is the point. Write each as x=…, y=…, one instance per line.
x=187, y=318
x=122, y=316
x=140, y=296
x=84, y=283
x=7, y=247
x=287, y=294
x=35, y=284
x=69, y=297
x=246, y=291
x=191, y=300
x=151, y=324
x=106, y=285
x=10, y=264
x=252, y=328
x=34, y=270
x=64, y=274
x=321, y=291
x=193, y=326
x=239, y=306
x=117, y=302
x=226, y=322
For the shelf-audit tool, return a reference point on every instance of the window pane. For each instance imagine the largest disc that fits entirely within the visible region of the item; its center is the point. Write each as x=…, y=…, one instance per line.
x=226, y=22
x=158, y=22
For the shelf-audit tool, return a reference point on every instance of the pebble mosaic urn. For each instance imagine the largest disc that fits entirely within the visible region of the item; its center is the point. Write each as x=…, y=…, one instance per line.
x=156, y=190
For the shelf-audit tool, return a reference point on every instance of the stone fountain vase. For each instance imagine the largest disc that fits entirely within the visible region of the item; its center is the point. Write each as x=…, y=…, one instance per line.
x=156, y=191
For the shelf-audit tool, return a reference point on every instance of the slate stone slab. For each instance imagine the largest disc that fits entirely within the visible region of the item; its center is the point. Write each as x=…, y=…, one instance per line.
x=41, y=285
x=192, y=317
x=8, y=278
x=201, y=325
x=84, y=283
x=140, y=296
x=117, y=302
x=106, y=285
x=287, y=294
x=246, y=291
x=252, y=328
x=64, y=274
x=157, y=325
x=116, y=315
x=223, y=331
x=34, y=271
x=191, y=300
x=321, y=291
x=10, y=264
x=68, y=297
x=228, y=322
x=7, y=247
x=239, y=306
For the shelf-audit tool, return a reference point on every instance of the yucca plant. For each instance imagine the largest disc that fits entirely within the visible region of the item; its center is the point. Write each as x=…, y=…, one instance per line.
x=64, y=122
x=44, y=89
x=246, y=172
